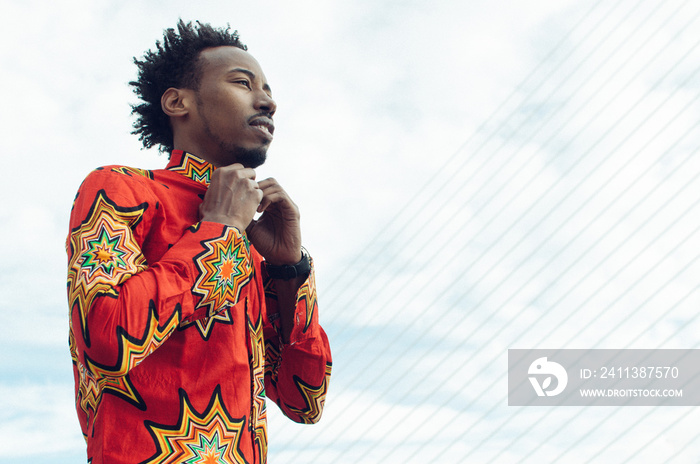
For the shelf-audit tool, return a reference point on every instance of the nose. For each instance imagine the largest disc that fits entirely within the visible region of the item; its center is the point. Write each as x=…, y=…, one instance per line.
x=266, y=103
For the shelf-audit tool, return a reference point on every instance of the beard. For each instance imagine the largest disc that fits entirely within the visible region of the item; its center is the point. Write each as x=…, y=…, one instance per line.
x=248, y=157
x=232, y=153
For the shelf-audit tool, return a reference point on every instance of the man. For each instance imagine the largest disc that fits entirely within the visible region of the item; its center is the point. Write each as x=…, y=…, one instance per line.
x=186, y=312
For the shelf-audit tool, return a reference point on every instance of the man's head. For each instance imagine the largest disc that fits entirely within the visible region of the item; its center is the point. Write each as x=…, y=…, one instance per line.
x=202, y=92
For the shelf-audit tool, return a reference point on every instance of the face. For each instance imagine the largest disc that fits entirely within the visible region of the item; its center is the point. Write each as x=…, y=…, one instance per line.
x=234, y=107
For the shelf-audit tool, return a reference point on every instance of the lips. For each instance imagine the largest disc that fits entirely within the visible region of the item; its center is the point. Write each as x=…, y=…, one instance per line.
x=264, y=124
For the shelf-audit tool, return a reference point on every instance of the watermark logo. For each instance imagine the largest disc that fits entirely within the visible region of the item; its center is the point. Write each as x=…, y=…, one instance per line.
x=541, y=368
x=603, y=377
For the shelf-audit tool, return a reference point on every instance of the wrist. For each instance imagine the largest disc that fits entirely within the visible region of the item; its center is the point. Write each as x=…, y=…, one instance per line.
x=227, y=221
x=286, y=271
x=285, y=262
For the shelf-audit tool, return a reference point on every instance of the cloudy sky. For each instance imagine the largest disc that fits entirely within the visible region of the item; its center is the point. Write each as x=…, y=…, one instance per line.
x=473, y=176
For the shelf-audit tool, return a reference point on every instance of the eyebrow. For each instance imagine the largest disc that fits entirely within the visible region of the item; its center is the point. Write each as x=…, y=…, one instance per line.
x=250, y=74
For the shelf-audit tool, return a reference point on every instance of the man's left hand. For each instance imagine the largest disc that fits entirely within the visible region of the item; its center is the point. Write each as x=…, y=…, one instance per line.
x=276, y=234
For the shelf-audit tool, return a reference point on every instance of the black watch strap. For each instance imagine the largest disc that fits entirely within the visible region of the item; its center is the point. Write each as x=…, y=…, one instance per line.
x=289, y=272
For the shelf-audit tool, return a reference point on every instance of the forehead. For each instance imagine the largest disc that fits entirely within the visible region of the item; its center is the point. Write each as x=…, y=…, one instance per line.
x=217, y=61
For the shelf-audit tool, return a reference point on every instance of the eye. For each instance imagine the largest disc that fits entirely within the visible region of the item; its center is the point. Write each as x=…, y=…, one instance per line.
x=243, y=82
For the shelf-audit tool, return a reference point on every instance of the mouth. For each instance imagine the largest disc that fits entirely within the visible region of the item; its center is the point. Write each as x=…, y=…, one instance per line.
x=264, y=125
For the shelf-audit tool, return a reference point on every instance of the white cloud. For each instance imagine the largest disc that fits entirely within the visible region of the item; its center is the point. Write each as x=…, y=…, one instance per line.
x=39, y=419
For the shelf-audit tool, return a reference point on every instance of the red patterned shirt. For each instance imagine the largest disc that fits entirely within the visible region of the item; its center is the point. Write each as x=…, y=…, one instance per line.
x=174, y=327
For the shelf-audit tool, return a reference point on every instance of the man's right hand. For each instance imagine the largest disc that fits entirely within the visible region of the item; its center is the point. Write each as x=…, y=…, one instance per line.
x=232, y=198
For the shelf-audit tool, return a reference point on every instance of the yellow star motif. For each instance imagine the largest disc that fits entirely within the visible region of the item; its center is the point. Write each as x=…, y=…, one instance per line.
x=307, y=293
x=314, y=397
x=96, y=379
x=224, y=270
x=258, y=419
x=131, y=172
x=88, y=279
x=211, y=434
x=103, y=255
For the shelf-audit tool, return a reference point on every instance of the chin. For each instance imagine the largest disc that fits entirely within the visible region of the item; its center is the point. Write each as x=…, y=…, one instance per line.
x=248, y=157
x=254, y=158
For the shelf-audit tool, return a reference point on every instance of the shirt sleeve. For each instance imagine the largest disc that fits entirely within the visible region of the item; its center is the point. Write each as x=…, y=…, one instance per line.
x=297, y=373
x=121, y=307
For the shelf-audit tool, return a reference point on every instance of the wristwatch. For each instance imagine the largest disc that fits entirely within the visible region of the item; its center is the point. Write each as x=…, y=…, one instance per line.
x=289, y=272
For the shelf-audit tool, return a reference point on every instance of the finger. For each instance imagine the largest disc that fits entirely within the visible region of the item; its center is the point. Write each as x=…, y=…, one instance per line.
x=255, y=191
x=269, y=183
x=266, y=201
x=270, y=186
x=253, y=184
x=277, y=198
x=237, y=170
x=263, y=205
x=273, y=193
x=246, y=173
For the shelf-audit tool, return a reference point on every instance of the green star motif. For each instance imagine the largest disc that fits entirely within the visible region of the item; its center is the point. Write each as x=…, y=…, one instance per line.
x=104, y=253
x=208, y=451
x=229, y=267
x=223, y=271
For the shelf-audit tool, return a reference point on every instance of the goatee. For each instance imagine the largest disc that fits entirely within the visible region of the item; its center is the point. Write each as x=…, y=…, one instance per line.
x=249, y=157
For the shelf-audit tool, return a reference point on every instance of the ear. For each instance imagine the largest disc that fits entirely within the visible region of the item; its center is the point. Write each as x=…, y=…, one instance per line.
x=176, y=102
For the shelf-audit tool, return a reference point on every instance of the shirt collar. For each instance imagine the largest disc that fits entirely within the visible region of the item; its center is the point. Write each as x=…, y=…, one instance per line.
x=191, y=166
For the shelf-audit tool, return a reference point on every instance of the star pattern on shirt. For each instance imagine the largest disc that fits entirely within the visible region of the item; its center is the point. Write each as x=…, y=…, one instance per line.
x=307, y=293
x=194, y=167
x=273, y=357
x=92, y=388
x=103, y=253
x=210, y=437
x=258, y=417
x=205, y=325
x=89, y=392
x=208, y=451
x=314, y=397
x=96, y=379
x=224, y=269
x=132, y=172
